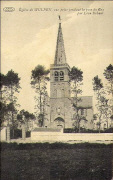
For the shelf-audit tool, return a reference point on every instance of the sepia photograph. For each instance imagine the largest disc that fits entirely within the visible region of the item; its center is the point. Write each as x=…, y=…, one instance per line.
x=56, y=90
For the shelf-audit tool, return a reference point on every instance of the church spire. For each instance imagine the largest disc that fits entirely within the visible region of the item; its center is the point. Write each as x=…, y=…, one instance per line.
x=60, y=57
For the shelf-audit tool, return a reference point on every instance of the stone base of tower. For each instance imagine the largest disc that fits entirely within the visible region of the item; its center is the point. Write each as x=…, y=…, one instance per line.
x=61, y=113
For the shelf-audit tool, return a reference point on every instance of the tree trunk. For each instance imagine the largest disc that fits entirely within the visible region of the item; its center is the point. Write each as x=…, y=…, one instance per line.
x=99, y=124
x=112, y=97
x=79, y=128
x=12, y=110
x=40, y=99
x=99, y=128
x=13, y=122
x=107, y=123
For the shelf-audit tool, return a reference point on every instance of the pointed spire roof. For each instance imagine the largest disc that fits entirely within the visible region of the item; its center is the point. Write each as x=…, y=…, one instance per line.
x=60, y=57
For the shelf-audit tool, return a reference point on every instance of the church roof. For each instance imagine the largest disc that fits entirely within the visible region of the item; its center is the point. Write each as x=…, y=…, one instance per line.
x=60, y=57
x=84, y=102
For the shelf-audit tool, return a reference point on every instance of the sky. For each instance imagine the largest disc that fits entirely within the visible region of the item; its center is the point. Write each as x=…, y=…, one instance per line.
x=29, y=34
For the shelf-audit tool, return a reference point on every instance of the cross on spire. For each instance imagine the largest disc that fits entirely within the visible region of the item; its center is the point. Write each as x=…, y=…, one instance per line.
x=59, y=19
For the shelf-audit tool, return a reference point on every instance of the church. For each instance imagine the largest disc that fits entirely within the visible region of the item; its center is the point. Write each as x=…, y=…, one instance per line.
x=62, y=112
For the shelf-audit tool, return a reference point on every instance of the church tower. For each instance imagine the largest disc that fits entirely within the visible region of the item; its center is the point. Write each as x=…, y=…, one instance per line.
x=59, y=85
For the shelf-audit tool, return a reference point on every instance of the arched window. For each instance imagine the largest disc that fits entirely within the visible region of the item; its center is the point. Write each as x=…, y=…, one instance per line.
x=61, y=75
x=56, y=76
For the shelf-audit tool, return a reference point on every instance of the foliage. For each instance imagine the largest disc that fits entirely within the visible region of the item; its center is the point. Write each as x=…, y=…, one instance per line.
x=94, y=116
x=39, y=82
x=97, y=84
x=3, y=110
x=12, y=80
x=98, y=87
x=39, y=72
x=76, y=77
x=102, y=102
x=41, y=119
x=25, y=117
x=2, y=81
x=9, y=85
x=108, y=73
x=17, y=133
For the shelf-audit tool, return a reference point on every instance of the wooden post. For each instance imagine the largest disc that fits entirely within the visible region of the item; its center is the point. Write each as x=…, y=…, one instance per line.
x=23, y=132
x=8, y=133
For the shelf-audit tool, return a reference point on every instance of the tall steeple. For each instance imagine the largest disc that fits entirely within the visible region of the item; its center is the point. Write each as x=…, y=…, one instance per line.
x=60, y=57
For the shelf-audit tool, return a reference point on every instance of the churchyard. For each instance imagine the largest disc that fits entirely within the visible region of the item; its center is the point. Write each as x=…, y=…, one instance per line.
x=56, y=161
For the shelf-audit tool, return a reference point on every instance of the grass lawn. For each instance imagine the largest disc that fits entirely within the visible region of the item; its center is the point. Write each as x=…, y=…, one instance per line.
x=56, y=161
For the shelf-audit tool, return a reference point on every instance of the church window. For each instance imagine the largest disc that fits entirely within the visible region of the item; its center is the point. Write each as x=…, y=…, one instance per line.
x=61, y=75
x=56, y=76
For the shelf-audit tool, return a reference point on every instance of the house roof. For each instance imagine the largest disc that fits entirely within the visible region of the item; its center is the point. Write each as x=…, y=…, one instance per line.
x=46, y=130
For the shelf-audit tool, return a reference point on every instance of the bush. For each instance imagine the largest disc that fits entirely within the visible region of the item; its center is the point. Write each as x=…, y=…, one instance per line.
x=83, y=130
x=17, y=133
x=110, y=130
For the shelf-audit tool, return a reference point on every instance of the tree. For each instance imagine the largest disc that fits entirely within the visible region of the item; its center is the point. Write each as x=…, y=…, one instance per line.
x=3, y=110
x=108, y=73
x=98, y=89
x=25, y=117
x=39, y=82
x=3, y=107
x=12, y=85
x=3, y=88
x=11, y=109
x=76, y=77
